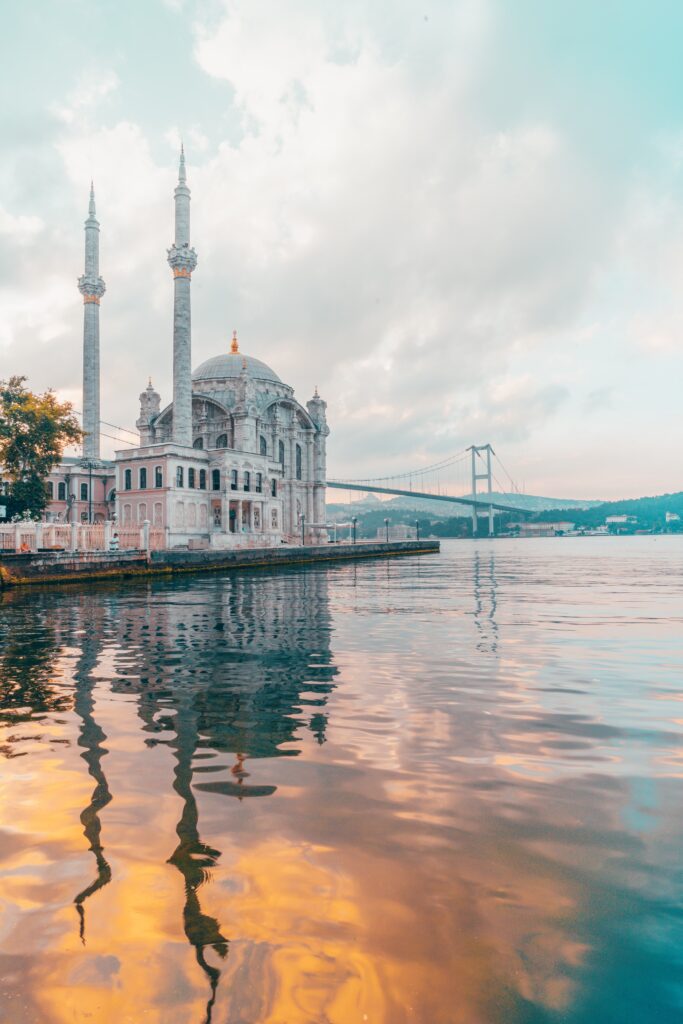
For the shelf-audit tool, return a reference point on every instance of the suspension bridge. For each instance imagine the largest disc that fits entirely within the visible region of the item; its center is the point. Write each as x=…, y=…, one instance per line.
x=471, y=471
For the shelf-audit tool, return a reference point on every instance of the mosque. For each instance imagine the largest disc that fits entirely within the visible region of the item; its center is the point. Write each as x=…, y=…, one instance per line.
x=233, y=460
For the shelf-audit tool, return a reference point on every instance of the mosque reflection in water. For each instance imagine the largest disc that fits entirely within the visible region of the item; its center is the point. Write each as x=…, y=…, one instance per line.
x=236, y=674
x=429, y=791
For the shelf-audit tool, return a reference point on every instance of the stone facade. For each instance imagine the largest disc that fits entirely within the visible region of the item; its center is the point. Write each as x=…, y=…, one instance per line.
x=235, y=460
x=256, y=468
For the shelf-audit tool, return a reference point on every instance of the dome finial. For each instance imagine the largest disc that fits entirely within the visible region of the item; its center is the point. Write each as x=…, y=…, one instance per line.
x=234, y=347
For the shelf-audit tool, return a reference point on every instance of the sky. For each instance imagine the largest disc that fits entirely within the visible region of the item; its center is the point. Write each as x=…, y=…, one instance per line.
x=461, y=219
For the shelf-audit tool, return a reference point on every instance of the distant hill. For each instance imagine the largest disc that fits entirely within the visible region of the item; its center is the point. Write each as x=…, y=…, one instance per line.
x=445, y=519
x=650, y=511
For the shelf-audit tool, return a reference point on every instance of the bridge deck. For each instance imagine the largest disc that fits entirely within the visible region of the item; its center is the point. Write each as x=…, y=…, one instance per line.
x=423, y=495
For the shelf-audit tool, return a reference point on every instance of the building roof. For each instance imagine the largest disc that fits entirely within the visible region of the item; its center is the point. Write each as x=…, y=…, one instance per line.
x=230, y=364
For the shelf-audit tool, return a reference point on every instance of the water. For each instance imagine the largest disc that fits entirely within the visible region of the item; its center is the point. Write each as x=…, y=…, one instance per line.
x=443, y=790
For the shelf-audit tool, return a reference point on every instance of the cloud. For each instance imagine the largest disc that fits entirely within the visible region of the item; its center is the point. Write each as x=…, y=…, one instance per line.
x=598, y=400
x=92, y=87
x=445, y=276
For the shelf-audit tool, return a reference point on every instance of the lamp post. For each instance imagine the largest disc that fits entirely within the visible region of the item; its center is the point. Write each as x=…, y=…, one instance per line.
x=354, y=520
x=386, y=528
x=417, y=529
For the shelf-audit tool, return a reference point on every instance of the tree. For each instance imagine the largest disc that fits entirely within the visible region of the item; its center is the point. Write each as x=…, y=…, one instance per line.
x=34, y=431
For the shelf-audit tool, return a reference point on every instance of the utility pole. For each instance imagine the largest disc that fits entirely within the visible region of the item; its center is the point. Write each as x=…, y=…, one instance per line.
x=476, y=454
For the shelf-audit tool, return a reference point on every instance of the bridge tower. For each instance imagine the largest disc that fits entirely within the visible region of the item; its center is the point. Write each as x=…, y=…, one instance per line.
x=477, y=453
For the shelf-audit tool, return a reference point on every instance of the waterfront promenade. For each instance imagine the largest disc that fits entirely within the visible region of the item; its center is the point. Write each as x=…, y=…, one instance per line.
x=43, y=567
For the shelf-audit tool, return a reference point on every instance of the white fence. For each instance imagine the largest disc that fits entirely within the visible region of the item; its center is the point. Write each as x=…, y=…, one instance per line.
x=33, y=537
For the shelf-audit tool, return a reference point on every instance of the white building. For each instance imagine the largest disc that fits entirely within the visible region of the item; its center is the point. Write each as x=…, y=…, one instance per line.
x=234, y=459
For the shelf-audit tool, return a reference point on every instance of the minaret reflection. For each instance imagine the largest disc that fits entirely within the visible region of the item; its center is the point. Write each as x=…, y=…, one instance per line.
x=226, y=670
x=90, y=738
x=193, y=858
x=485, y=602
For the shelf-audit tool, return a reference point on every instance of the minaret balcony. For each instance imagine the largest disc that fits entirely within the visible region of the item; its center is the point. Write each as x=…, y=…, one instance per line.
x=91, y=288
x=182, y=260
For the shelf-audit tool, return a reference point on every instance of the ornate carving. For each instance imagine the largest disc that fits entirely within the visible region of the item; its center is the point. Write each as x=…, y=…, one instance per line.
x=182, y=260
x=91, y=288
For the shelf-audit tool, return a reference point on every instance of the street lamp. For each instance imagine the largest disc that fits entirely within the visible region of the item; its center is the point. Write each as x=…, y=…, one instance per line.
x=417, y=529
x=386, y=528
x=354, y=520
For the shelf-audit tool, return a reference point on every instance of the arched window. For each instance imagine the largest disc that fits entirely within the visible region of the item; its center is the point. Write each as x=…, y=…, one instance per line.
x=179, y=480
x=61, y=492
x=233, y=479
x=202, y=479
x=273, y=487
x=198, y=442
x=158, y=477
x=298, y=462
x=263, y=446
x=216, y=479
x=190, y=477
x=143, y=479
x=247, y=480
x=222, y=441
x=50, y=489
x=281, y=452
x=259, y=483
x=127, y=480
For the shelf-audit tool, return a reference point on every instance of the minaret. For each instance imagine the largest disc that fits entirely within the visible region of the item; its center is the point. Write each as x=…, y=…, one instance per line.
x=92, y=288
x=182, y=260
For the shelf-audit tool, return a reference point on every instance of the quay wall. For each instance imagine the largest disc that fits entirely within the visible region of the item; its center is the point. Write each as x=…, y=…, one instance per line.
x=63, y=567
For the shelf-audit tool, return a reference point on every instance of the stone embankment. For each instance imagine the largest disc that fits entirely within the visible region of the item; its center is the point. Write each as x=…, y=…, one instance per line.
x=64, y=566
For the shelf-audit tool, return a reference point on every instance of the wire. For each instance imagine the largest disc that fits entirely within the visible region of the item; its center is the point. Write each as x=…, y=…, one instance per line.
x=108, y=424
x=451, y=460
x=515, y=487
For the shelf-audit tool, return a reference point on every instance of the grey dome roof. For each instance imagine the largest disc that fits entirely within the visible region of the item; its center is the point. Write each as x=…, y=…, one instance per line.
x=229, y=364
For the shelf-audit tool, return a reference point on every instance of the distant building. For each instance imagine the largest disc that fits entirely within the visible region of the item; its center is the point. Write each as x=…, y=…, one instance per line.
x=621, y=520
x=672, y=517
x=544, y=529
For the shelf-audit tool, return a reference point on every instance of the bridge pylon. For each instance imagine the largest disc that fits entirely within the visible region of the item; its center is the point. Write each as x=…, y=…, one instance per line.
x=477, y=453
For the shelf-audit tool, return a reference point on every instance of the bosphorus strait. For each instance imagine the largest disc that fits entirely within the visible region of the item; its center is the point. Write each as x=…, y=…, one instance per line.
x=438, y=790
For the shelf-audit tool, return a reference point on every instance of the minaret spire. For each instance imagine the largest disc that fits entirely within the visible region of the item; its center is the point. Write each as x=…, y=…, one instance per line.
x=92, y=288
x=182, y=260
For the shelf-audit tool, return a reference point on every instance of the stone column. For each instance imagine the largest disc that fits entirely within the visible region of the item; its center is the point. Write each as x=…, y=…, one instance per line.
x=92, y=288
x=310, y=508
x=182, y=260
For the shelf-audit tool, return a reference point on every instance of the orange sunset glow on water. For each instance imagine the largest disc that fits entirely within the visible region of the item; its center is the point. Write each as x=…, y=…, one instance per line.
x=434, y=791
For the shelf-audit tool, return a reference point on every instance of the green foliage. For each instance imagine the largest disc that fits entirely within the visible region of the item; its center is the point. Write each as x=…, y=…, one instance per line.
x=34, y=431
x=650, y=513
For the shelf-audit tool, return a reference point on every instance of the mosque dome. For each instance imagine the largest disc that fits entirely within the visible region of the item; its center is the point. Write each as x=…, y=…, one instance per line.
x=231, y=364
